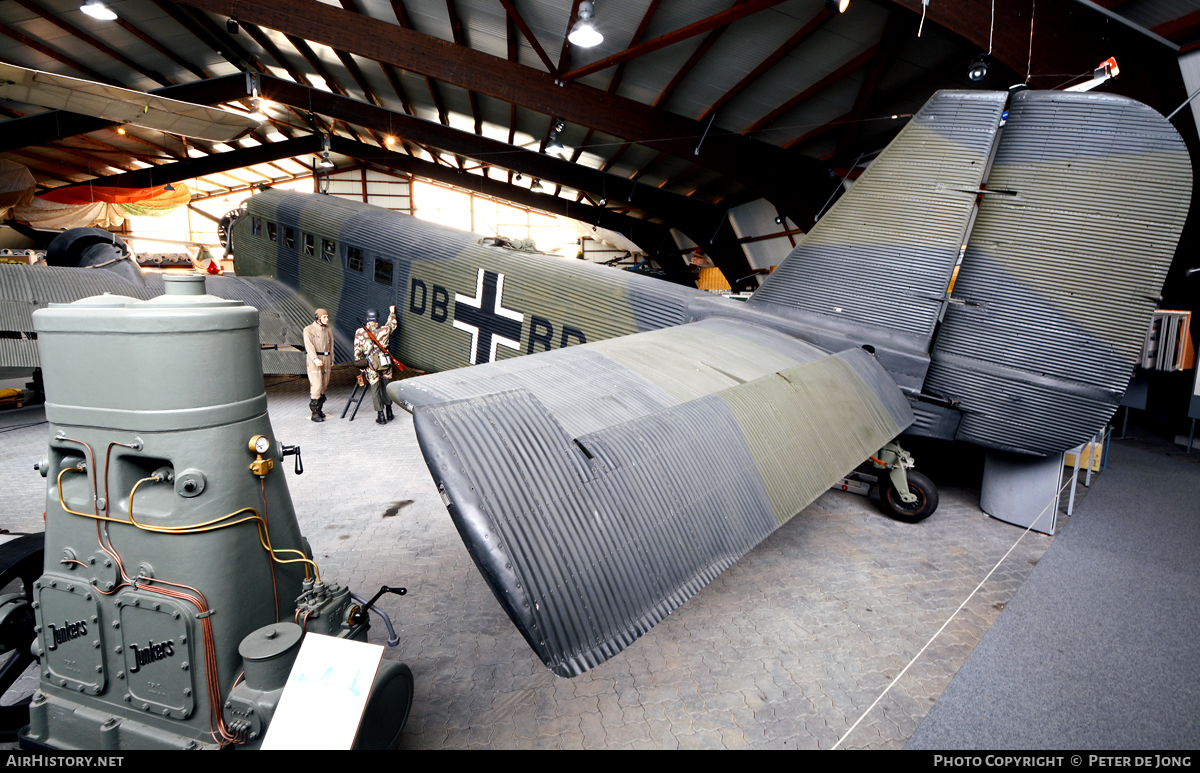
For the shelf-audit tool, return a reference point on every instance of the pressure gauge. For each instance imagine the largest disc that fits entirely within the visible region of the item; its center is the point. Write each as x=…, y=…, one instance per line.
x=259, y=444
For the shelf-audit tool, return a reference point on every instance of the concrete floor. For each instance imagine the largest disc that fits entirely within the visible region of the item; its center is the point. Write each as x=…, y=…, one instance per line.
x=787, y=649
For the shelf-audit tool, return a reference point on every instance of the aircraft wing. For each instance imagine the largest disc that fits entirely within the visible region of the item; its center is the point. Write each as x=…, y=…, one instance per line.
x=599, y=487
x=112, y=103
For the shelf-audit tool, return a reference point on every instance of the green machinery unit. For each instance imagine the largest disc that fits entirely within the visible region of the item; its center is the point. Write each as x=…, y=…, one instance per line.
x=176, y=588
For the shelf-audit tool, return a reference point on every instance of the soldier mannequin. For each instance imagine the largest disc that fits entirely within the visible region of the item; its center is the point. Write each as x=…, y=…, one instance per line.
x=379, y=369
x=318, y=355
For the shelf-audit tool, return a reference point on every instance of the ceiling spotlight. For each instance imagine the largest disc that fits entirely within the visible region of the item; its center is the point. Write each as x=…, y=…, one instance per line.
x=778, y=220
x=518, y=176
x=325, y=163
x=584, y=33
x=389, y=141
x=554, y=144
x=169, y=187
x=603, y=202
x=537, y=185
x=231, y=26
x=837, y=5
x=98, y=10
x=978, y=69
x=121, y=130
x=256, y=112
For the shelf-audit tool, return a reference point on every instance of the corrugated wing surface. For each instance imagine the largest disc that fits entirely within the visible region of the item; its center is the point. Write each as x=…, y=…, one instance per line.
x=884, y=252
x=590, y=539
x=1060, y=276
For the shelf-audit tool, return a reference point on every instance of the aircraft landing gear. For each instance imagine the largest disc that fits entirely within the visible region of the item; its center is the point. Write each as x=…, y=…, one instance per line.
x=20, y=564
x=904, y=493
x=918, y=509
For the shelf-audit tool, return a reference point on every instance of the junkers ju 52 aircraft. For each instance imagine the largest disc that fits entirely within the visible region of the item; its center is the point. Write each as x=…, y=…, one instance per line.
x=655, y=433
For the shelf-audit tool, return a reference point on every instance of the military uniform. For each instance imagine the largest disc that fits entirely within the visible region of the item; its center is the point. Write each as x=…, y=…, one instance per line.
x=318, y=356
x=379, y=368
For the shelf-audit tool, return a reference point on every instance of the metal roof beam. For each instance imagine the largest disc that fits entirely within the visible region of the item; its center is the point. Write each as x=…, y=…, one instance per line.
x=219, y=163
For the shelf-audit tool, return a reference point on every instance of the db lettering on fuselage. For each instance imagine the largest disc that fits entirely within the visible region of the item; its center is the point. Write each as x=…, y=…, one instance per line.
x=485, y=317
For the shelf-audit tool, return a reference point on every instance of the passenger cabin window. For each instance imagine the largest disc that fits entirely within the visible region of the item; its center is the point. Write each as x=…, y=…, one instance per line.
x=289, y=237
x=354, y=259
x=256, y=226
x=383, y=271
x=272, y=231
x=308, y=244
x=328, y=250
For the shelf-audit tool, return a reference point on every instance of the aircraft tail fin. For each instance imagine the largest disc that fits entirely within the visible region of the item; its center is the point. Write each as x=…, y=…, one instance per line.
x=883, y=255
x=1066, y=217
x=1063, y=269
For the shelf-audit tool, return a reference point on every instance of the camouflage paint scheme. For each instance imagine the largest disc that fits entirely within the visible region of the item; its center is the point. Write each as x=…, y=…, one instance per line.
x=632, y=457
x=435, y=273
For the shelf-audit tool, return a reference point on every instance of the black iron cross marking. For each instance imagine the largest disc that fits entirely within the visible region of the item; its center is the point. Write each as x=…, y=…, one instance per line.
x=485, y=318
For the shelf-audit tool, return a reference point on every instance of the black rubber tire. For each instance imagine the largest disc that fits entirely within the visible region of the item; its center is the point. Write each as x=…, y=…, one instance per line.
x=20, y=559
x=927, y=499
x=387, y=709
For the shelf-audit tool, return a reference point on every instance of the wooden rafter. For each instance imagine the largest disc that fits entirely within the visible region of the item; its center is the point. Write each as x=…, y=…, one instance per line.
x=511, y=10
x=460, y=38
x=42, y=48
x=1181, y=30
x=895, y=31
x=1069, y=37
x=564, y=56
x=511, y=39
x=776, y=174
x=406, y=23
x=812, y=90
x=738, y=11
x=174, y=57
x=618, y=75
x=773, y=59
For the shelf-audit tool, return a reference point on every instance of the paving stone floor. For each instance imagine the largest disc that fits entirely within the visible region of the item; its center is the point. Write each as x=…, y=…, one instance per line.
x=785, y=650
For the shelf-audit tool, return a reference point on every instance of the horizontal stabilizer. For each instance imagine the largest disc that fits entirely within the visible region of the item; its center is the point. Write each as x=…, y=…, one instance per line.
x=588, y=539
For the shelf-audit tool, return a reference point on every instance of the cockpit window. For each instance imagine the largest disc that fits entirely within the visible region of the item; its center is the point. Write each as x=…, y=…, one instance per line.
x=354, y=259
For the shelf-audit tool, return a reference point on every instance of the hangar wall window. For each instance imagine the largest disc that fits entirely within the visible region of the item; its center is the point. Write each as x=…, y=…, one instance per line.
x=308, y=244
x=383, y=271
x=328, y=250
x=289, y=237
x=256, y=226
x=354, y=259
x=272, y=231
